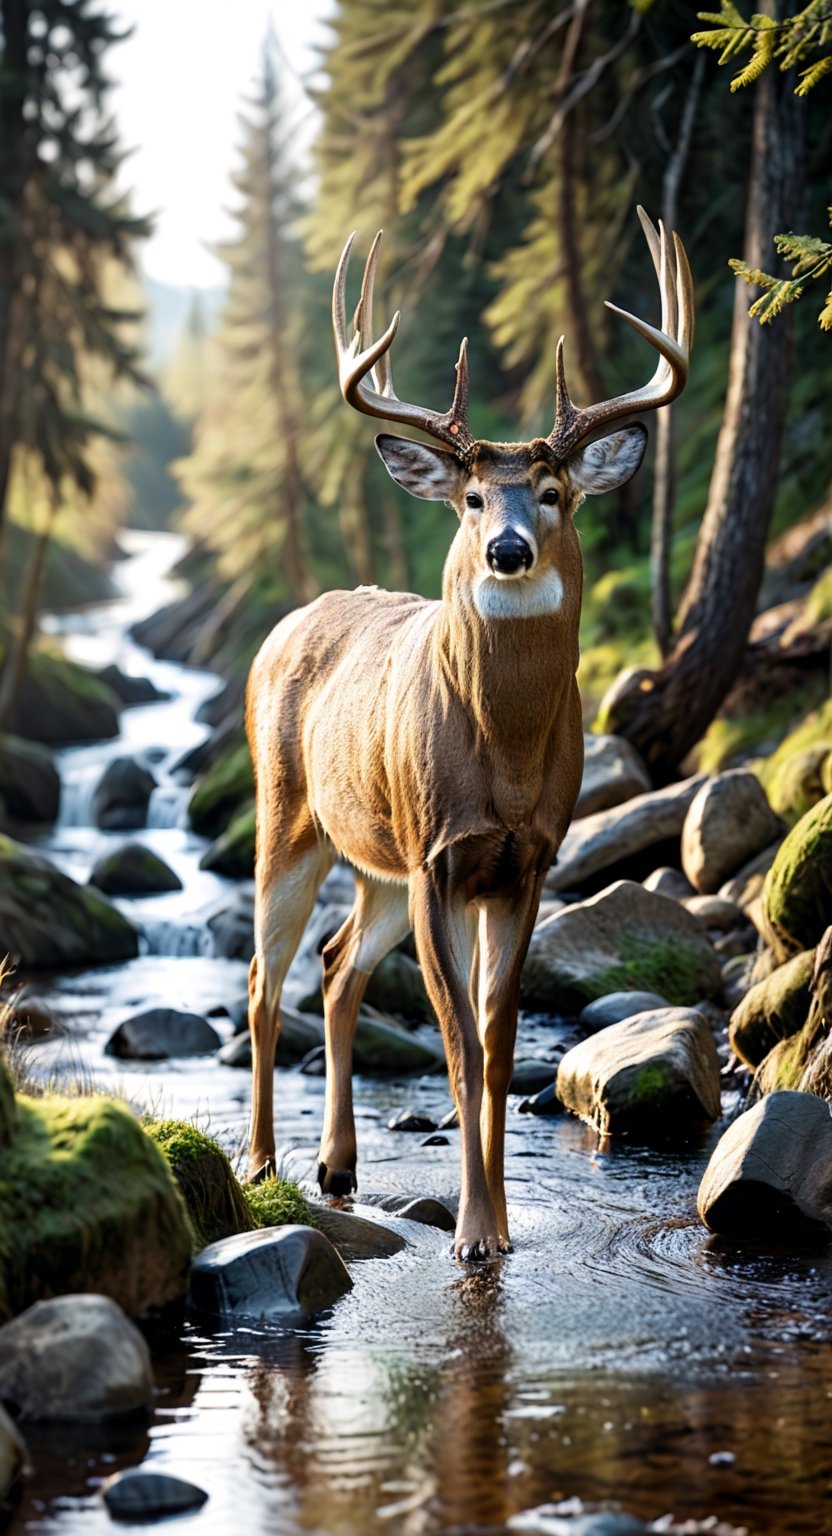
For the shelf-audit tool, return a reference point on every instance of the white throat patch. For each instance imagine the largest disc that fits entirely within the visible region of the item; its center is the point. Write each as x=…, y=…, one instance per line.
x=527, y=598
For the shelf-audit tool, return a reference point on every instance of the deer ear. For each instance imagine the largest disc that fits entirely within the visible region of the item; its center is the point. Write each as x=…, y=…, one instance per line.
x=609, y=462
x=431, y=473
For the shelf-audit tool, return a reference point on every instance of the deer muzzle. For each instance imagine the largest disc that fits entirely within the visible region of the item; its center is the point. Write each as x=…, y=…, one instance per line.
x=509, y=555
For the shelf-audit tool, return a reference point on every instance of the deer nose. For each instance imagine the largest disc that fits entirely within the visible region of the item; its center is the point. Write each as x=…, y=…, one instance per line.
x=508, y=554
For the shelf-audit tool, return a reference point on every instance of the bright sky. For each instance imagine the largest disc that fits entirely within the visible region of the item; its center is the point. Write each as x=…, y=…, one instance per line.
x=181, y=79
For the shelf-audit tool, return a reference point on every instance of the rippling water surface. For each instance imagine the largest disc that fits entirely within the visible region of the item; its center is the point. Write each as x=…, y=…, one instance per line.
x=618, y=1355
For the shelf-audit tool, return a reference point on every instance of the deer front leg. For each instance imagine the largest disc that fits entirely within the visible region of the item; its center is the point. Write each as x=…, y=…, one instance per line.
x=445, y=928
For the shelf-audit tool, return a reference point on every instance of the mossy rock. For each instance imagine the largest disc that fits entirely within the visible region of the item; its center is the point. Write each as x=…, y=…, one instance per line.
x=47, y=920
x=133, y=870
x=222, y=791
x=61, y=702
x=232, y=853
x=773, y=1010
x=814, y=731
x=786, y=1064
x=797, y=783
x=797, y=895
x=29, y=782
x=87, y=1203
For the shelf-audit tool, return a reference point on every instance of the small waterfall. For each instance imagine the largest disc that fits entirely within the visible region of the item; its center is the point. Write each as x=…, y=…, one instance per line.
x=78, y=787
x=181, y=941
x=168, y=807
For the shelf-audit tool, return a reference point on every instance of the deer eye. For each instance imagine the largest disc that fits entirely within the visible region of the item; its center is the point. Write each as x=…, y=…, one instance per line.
x=473, y=499
x=550, y=497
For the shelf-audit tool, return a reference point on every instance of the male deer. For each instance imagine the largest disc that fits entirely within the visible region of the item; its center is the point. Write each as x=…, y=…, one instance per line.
x=438, y=746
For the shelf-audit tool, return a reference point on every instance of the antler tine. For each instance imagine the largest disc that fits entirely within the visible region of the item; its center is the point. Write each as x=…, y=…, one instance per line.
x=673, y=343
x=356, y=361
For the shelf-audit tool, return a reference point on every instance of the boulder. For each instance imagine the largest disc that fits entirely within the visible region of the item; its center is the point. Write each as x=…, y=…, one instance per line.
x=613, y=772
x=746, y=886
x=797, y=895
x=12, y=1454
x=531, y=1073
x=797, y=783
x=729, y=822
x=136, y=1495
x=222, y=791
x=656, y=1073
x=716, y=912
x=769, y=1179
x=616, y=1006
x=214, y=1200
x=772, y=1010
x=30, y=788
x=47, y=920
x=160, y=1033
x=422, y=1208
x=599, y=842
x=626, y=939
x=546, y=1102
x=300, y=1033
x=397, y=986
x=232, y=853
x=669, y=882
x=133, y=870
x=74, y=1358
x=233, y=929
x=60, y=702
x=130, y=690
x=122, y=795
x=268, y=1276
x=382, y=1048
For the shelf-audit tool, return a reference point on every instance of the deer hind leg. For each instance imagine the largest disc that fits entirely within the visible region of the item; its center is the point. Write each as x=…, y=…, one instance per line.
x=284, y=897
x=378, y=920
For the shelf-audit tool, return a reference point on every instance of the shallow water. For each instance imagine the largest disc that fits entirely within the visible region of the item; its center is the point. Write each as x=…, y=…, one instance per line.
x=618, y=1355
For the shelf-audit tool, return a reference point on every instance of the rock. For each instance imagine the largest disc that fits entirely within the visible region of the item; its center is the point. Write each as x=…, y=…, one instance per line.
x=410, y=1120
x=12, y=1454
x=396, y=986
x=746, y=887
x=133, y=870
x=137, y=1495
x=599, y=842
x=797, y=784
x=214, y=1199
x=122, y=796
x=738, y=943
x=220, y=794
x=655, y=1073
x=546, y=1102
x=770, y=1177
x=60, y=702
x=728, y=823
x=530, y=1074
x=30, y=787
x=232, y=853
x=736, y=979
x=268, y=1276
x=797, y=895
x=421, y=1208
x=74, y=1358
x=300, y=1033
x=773, y=1010
x=616, y=1006
x=613, y=772
x=130, y=690
x=47, y=920
x=354, y=1236
x=716, y=912
x=669, y=882
x=160, y=1033
x=233, y=929
x=383, y=1049
x=436, y=1139
x=625, y=939
x=30, y=1018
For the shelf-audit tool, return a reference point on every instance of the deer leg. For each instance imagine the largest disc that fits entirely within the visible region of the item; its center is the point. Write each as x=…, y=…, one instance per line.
x=376, y=923
x=505, y=928
x=284, y=898
x=445, y=927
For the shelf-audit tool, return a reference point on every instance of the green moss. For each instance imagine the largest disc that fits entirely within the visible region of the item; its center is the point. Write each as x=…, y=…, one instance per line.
x=226, y=786
x=819, y=601
x=652, y=1084
x=660, y=965
x=772, y=1010
x=277, y=1202
x=784, y=780
x=797, y=895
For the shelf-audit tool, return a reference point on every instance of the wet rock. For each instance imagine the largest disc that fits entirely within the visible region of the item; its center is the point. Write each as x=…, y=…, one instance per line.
x=546, y=1102
x=436, y=1140
x=122, y=796
x=613, y=772
x=133, y=870
x=617, y=1006
x=300, y=1033
x=74, y=1357
x=655, y=1073
x=222, y=792
x=383, y=1049
x=12, y=1454
x=729, y=822
x=396, y=986
x=213, y=1198
x=770, y=1177
x=314, y=1062
x=797, y=896
x=60, y=702
x=233, y=929
x=599, y=842
x=47, y=920
x=30, y=788
x=716, y=912
x=228, y=701
x=773, y=1010
x=729, y=945
x=548, y=907
x=530, y=1074
x=355, y=1237
x=161, y=1033
x=232, y=853
x=669, y=882
x=268, y=1276
x=138, y=1495
x=410, y=1120
x=625, y=939
x=422, y=1208
x=130, y=690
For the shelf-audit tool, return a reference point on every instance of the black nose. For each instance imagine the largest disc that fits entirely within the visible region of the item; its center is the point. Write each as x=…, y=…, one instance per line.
x=508, y=554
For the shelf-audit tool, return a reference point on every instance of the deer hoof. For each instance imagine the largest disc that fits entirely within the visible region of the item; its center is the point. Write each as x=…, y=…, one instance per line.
x=475, y=1253
x=336, y=1181
x=267, y=1170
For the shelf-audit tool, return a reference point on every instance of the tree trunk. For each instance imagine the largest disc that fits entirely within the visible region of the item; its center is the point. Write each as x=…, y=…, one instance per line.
x=13, y=152
x=665, y=713
x=14, y=671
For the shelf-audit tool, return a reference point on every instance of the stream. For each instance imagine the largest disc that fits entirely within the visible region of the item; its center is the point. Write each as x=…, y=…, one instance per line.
x=619, y=1355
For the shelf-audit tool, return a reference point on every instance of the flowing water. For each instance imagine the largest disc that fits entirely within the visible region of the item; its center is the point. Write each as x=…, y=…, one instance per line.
x=619, y=1355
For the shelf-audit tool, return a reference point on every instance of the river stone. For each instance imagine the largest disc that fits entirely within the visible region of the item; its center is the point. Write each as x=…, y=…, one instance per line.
x=746, y=886
x=624, y=939
x=797, y=895
x=422, y=1208
x=382, y=1048
x=74, y=1357
x=773, y=1010
x=728, y=823
x=397, y=986
x=30, y=787
x=225, y=789
x=669, y=882
x=770, y=1176
x=410, y=1120
x=268, y=1276
x=658, y=1071
x=122, y=795
x=233, y=929
x=161, y=1033
x=128, y=689
x=796, y=784
x=133, y=870
x=138, y=1495
x=530, y=1073
x=546, y=1102
x=617, y=1006
x=300, y=1033
x=213, y=1198
x=355, y=1237
x=716, y=912
x=47, y=920
x=613, y=772
x=232, y=853
x=12, y=1454
x=598, y=842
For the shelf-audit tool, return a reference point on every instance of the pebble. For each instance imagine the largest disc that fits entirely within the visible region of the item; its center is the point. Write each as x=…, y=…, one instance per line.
x=138, y=1495
x=411, y=1120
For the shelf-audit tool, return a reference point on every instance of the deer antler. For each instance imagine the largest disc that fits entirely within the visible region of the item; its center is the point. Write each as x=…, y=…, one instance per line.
x=356, y=361
x=673, y=341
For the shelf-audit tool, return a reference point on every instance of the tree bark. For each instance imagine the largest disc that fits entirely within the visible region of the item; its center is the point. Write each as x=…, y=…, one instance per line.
x=15, y=670
x=665, y=713
x=13, y=156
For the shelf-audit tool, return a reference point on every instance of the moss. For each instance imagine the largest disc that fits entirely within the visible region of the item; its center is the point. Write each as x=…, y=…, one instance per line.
x=218, y=1205
x=232, y=853
x=277, y=1202
x=46, y=919
x=772, y=1010
x=226, y=786
x=778, y=773
x=657, y=965
x=601, y=664
x=797, y=895
x=819, y=601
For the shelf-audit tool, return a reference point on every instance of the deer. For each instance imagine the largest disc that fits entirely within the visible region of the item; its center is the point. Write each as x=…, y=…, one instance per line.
x=437, y=745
